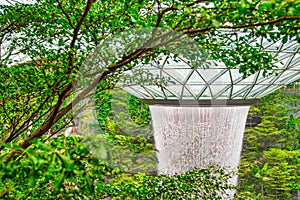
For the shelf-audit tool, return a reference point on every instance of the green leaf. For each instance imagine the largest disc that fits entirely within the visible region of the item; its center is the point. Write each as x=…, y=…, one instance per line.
x=67, y=162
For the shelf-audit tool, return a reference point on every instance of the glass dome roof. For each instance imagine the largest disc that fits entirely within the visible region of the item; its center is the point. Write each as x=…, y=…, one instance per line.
x=166, y=79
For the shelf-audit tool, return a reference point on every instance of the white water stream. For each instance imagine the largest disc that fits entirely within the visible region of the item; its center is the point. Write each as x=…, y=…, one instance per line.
x=190, y=137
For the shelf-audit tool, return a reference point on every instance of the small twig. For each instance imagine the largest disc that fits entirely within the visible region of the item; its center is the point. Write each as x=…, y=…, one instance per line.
x=65, y=13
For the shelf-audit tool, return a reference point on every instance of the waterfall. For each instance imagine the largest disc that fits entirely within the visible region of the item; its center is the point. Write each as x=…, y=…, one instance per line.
x=195, y=137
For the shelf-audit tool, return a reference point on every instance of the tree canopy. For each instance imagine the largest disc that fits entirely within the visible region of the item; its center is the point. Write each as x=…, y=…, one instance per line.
x=53, y=38
x=47, y=45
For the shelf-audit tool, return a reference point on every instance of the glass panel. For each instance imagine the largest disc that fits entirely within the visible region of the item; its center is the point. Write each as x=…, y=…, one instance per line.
x=281, y=56
x=268, y=91
x=247, y=81
x=262, y=78
x=238, y=90
x=268, y=80
x=224, y=92
x=176, y=65
x=210, y=75
x=179, y=75
x=188, y=94
x=236, y=75
x=286, y=75
x=281, y=61
x=267, y=43
x=295, y=64
x=195, y=79
x=274, y=47
x=290, y=46
x=133, y=92
x=256, y=89
x=206, y=94
x=195, y=89
x=176, y=89
x=224, y=79
x=170, y=95
x=155, y=91
x=141, y=91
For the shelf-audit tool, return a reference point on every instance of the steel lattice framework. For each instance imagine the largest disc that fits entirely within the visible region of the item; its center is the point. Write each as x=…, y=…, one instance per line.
x=181, y=80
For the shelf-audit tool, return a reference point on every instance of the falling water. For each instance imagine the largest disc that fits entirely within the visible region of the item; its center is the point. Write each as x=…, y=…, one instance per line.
x=195, y=137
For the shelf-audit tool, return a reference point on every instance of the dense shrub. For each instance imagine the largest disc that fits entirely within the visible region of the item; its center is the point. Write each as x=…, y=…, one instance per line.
x=64, y=169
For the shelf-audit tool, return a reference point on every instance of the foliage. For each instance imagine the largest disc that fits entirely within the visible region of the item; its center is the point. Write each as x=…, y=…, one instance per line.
x=58, y=39
x=126, y=140
x=270, y=158
x=210, y=183
x=121, y=112
x=138, y=111
x=58, y=169
x=63, y=168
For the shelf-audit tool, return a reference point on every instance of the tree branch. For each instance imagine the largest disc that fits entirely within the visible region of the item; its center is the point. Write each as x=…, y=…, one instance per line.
x=65, y=13
x=76, y=32
x=160, y=15
x=201, y=30
x=82, y=18
x=50, y=119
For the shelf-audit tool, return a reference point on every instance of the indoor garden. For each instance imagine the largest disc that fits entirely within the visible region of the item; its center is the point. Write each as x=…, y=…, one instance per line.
x=161, y=99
